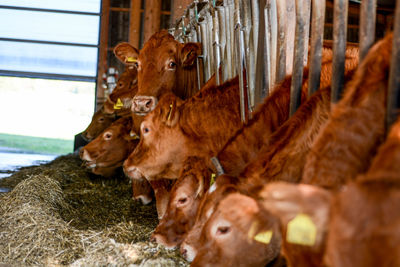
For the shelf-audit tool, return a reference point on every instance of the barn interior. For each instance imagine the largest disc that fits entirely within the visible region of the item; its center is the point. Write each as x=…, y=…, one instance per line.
x=54, y=210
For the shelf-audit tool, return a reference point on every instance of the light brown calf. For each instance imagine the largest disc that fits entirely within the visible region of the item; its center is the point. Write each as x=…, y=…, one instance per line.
x=100, y=121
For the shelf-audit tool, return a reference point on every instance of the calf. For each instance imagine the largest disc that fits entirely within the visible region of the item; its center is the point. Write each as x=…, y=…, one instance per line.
x=105, y=154
x=178, y=129
x=100, y=121
x=185, y=198
x=346, y=145
x=164, y=65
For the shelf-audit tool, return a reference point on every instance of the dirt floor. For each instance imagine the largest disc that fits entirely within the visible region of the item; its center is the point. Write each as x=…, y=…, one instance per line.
x=59, y=214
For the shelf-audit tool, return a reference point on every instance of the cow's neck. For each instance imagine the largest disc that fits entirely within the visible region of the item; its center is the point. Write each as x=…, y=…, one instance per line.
x=186, y=85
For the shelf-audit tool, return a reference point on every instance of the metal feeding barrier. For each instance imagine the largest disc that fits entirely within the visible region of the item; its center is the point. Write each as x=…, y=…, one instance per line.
x=262, y=41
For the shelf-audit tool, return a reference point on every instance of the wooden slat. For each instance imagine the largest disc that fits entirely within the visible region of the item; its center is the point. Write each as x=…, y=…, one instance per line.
x=152, y=12
x=134, y=23
x=367, y=26
x=102, y=63
x=178, y=8
x=393, y=98
x=339, y=47
x=317, y=37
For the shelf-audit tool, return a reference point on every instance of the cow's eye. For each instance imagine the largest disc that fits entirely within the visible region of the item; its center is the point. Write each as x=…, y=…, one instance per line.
x=222, y=230
x=172, y=65
x=101, y=119
x=182, y=200
x=107, y=136
x=146, y=130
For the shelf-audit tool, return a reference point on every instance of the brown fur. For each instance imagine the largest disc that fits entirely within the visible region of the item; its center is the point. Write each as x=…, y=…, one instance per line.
x=186, y=194
x=346, y=145
x=364, y=226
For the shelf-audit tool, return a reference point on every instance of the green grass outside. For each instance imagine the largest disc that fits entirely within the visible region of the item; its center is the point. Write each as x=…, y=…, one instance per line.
x=37, y=144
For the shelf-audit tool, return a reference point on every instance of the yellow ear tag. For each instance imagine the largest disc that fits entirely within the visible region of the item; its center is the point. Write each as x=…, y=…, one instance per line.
x=119, y=104
x=170, y=111
x=301, y=230
x=136, y=137
x=264, y=237
x=131, y=60
x=212, y=180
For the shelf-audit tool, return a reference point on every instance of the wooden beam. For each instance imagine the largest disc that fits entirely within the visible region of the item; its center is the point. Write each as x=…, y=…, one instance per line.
x=152, y=18
x=178, y=8
x=134, y=23
x=102, y=62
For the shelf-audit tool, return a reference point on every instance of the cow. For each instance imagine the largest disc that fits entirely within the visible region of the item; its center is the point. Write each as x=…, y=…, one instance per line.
x=177, y=129
x=105, y=154
x=100, y=121
x=366, y=91
x=186, y=194
x=346, y=145
x=164, y=65
x=290, y=143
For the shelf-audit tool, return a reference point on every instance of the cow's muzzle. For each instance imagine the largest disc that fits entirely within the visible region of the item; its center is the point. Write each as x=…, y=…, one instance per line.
x=141, y=105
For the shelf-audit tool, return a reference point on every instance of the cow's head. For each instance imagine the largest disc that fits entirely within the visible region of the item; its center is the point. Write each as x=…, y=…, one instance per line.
x=100, y=121
x=110, y=148
x=185, y=197
x=237, y=234
x=223, y=186
x=304, y=205
x=161, y=65
x=162, y=148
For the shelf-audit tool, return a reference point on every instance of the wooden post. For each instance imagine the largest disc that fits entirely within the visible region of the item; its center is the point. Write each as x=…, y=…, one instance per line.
x=102, y=62
x=178, y=7
x=152, y=18
x=134, y=23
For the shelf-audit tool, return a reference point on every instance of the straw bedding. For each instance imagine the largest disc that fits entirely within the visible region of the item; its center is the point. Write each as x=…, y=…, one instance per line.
x=58, y=214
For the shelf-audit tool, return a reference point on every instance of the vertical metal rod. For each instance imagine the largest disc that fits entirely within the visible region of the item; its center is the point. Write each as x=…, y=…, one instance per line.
x=262, y=60
x=317, y=37
x=232, y=34
x=393, y=96
x=339, y=47
x=298, y=61
x=204, y=42
x=272, y=38
x=281, y=41
x=241, y=60
x=217, y=56
x=367, y=26
x=222, y=41
x=290, y=32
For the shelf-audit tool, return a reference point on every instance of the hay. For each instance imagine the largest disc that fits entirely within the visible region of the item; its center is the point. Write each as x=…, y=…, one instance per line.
x=58, y=214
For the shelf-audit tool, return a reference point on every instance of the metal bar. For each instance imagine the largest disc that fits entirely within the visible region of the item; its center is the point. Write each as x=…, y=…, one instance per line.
x=262, y=59
x=339, y=47
x=228, y=46
x=272, y=38
x=298, y=62
x=222, y=41
x=45, y=42
x=216, y=46
x=51, y=10
x=241, y=59
x=47, y=76
x=204, y=43
x=317, y=38
x=290, y=32
x=393, y=97
x=281, y=41
x=367, y=26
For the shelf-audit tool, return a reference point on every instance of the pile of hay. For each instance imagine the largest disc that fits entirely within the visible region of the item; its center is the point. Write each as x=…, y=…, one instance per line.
x=58, y=214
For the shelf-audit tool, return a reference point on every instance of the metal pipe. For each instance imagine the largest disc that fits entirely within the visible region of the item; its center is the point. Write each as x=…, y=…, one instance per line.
x=367, y=26
x=393, y=96
x=204, y=43
x=216, y=46
x=222, y=41
x=317, y=37
x=339, y=47
x=241, y=61
x=298, y=61
x=272, y=38
x=280, y=63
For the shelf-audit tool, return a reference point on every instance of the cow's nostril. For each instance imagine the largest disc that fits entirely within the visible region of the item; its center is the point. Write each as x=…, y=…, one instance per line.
x=184, y=252
x=153, y=239
x=149, y=103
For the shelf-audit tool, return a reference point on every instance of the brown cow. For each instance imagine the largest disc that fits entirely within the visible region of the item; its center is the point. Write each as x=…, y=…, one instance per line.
x=177, y=129
x=284, y=157
x=185, y=198
x=105, y=154
x=164, y=65
x=100, y=121
x=350, y=139
x=234, y=214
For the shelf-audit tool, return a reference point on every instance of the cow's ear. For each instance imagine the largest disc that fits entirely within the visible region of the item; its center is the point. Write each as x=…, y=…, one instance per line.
x=287, y=201
x=190, y=51
x=126, y=53
x=170, y=112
